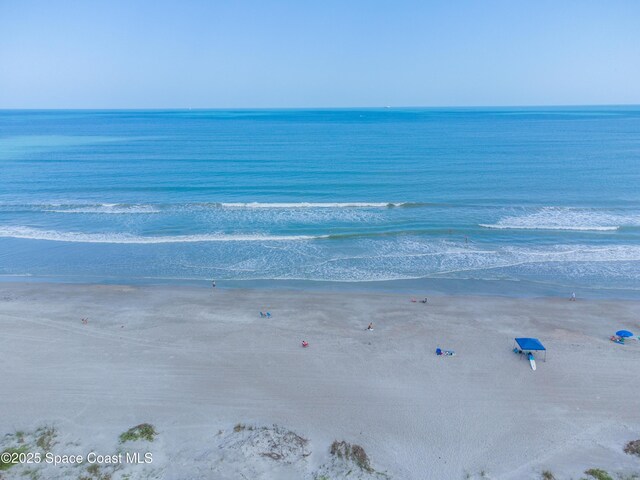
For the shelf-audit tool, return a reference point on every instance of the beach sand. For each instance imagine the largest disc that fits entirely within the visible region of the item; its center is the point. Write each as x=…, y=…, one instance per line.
x=197, y=362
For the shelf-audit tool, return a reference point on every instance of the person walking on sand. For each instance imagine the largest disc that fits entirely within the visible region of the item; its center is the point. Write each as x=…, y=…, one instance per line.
x=213, y=284
x=573, y=296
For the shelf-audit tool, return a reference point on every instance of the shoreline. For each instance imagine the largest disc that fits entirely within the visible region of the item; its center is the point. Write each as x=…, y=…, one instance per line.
x=417, y=287
x=195, y=363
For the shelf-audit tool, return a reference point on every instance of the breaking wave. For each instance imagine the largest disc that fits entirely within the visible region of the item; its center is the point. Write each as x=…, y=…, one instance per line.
x=106, y=208
x=80, y=237
x=320, y=205
x=550, y=227
x=131, y=208
x=569, y=219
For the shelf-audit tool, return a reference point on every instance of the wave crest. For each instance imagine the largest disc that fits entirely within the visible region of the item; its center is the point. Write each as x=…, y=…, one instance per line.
x=564, y=218
x=132, y=208
x=316, y=205
x=80, y=237
x=106, y=208
x=549, y=227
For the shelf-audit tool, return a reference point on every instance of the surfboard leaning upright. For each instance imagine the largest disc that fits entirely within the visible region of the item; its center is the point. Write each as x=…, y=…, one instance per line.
x=532, y=361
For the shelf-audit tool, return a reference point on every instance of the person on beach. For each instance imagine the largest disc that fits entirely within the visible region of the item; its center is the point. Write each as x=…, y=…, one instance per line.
x=305, y=343
x=425, y=300
x=370, y=327
x=573, y=297
x=213, y=284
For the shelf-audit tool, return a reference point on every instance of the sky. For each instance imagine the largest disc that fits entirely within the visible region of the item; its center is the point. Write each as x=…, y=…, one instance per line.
x=328, y=53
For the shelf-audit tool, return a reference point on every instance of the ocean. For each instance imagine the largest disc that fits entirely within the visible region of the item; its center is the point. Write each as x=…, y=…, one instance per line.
x=502, y=200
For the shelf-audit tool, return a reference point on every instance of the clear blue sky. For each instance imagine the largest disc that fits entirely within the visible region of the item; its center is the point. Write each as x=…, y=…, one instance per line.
x=299, y=53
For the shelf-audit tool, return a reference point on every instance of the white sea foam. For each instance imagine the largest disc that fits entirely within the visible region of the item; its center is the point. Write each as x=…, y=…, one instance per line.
x=549, y=227
x=105, y=208
x=562, y=218
x=256, y=256
x=313, y=205
x=81, y=237
x=126, y=208
x=407, y=259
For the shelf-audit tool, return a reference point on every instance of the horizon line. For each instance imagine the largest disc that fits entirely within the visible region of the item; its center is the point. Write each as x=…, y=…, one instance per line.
x=369, y=107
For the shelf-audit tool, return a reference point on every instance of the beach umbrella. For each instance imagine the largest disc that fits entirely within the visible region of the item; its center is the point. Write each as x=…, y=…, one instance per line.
x=624, y=333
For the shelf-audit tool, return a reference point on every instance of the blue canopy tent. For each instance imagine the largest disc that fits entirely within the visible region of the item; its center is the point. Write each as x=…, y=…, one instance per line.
x=530, y=345
x=624, y=334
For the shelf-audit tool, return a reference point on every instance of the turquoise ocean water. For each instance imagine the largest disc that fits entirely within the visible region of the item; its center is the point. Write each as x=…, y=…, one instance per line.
x=502, y=200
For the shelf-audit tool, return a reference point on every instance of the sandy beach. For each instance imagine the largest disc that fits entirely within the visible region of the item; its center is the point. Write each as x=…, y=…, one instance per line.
x=232, y=395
